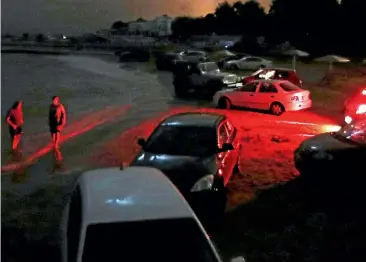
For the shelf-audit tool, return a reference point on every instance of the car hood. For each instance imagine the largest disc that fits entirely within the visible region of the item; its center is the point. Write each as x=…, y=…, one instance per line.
x=183, y=171
x=324, y=142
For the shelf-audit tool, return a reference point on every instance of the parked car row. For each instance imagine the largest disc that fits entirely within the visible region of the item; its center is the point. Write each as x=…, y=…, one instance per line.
x=114, y=212
x=182, y=170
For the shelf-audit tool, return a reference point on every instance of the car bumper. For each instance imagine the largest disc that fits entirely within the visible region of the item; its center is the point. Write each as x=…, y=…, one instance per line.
x=207, y=203
x=299, y=106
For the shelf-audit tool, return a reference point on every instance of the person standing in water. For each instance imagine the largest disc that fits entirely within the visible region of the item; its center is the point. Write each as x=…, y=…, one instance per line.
x=15, y=121
x=56, y=122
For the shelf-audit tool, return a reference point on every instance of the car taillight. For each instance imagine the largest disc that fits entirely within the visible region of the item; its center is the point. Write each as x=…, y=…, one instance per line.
x=295, y=98
x=361, y=109
x=220, y=172
x=348, y=119
x=363, y=92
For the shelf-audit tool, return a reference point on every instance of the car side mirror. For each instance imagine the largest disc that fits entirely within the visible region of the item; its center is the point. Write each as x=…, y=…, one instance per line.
x=226, y=147
x=141, y=142
x=238, y=259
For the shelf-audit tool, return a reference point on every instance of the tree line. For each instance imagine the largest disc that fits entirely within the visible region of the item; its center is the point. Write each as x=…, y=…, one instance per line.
x=316, y=26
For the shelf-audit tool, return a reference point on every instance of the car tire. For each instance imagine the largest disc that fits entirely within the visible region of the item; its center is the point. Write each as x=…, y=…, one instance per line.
x=234, y=67
x=180, y=90
x=261, y=67
x=277, y=109
x=224, y=103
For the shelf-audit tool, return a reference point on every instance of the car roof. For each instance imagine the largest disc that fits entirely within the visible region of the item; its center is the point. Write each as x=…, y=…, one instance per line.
x=194, y=119
x=271, y=81
x=280, y=68
x=135, y=193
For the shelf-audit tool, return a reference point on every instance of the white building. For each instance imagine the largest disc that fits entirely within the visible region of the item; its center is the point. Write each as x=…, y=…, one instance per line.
x=160, y=26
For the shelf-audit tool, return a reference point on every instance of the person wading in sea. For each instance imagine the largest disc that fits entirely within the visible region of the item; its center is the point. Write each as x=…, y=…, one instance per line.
x=15, y=120
x=56, y=122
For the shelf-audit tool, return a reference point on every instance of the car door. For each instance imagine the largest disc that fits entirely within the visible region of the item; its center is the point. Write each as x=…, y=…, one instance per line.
x=196, y=77
x=267, y=93
x=254, y=63
x=244, y=96
x=243, y=63
x=226, y=134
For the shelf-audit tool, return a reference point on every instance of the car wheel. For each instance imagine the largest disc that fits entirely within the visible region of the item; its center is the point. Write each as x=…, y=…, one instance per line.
x=180, y=90
x=262, y=67
x=277, y=109
x=233, y=67
x=224, y=103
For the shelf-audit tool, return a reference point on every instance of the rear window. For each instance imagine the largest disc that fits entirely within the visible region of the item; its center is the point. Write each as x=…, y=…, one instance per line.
x=178, y=240
x=288, y=87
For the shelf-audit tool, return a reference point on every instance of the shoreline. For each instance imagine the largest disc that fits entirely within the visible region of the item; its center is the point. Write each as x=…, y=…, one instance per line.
x=52, y=51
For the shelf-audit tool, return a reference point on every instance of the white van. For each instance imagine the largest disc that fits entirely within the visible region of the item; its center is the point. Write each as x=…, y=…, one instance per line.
x=135, y=214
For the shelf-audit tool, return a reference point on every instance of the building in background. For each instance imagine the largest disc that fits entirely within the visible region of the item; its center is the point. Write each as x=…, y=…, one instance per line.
x=160, y=26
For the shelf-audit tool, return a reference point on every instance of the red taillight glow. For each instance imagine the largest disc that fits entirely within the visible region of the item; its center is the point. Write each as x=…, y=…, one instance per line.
x=361, y=109
x=348, y=119
x=220, y=172
x=295, y=98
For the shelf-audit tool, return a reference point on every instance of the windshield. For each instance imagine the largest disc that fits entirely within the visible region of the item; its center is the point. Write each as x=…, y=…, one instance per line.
x=178, y=240
x=257, y=72
x=355, y=132
x=182, y=140
x=288, y=86
x=207, y=67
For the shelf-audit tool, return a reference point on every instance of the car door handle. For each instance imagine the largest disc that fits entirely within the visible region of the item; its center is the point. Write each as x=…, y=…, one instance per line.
x=272, y=96
x=251, y=95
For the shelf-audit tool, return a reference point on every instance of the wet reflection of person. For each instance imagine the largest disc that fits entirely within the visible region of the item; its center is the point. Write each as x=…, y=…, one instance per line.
x=56, y=122
x=15, y=120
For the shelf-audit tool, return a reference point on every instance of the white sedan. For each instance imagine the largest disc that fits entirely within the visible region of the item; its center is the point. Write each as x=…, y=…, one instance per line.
x=277, y=96
x=130, y=215
x=248, y=63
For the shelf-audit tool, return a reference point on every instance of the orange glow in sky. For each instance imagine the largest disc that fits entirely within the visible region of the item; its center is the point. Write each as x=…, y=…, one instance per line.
x=151, y=8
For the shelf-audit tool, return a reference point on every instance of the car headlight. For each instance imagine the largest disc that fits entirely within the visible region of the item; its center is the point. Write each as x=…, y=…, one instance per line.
x=225, y=81
x=203, y=183
x=361, y=109
x=321, y=155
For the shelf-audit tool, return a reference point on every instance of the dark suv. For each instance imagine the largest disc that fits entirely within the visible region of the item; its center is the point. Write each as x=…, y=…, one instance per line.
x=275, y=74
x=203, y=78
x=167, y=61
x=199, y=153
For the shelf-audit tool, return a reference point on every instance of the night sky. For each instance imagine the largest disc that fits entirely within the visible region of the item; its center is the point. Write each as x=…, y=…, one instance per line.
x=76, y=16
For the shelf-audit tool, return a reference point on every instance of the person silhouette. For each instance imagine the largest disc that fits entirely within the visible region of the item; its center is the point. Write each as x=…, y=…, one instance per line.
x=15, y=120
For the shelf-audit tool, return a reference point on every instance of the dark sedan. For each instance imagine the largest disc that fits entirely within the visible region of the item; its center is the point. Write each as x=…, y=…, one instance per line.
x=167, y=61
x=199, y=153
x=334, y=155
